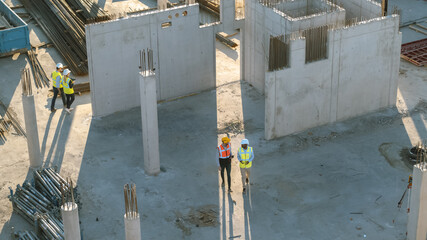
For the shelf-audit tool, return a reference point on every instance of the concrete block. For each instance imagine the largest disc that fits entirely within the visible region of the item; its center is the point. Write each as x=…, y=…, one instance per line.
x=150, y=127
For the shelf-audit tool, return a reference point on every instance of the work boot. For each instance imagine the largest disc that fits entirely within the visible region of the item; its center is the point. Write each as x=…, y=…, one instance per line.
x=222, y=184
x=68, y=110
x=53, y=109
x=247, y=180
x=244, y=190
x=229, y=190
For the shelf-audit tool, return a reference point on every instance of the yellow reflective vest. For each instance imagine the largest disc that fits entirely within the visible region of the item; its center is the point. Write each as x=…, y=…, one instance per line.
x=245, y=156
x=66, y=84
x=55, y=82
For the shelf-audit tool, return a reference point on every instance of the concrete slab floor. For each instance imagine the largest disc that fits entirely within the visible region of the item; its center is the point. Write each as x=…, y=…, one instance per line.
x=339, y=181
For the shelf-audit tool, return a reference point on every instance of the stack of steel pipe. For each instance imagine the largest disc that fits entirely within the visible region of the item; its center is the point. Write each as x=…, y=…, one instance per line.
x=25, y=235
x=50, y=227
x=39, y=205
x=50, y=183
x=29, y=202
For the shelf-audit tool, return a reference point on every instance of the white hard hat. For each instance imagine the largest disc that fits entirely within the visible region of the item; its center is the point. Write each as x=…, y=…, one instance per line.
x=245, y=141
x=66, y=72
x=59, y=65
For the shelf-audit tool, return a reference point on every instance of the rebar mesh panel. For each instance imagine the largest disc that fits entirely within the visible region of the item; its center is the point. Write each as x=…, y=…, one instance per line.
x=279, y=53
x=316, y=44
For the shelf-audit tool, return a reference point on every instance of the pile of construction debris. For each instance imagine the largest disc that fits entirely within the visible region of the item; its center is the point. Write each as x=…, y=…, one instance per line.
x=8, y=120
x=40, y=203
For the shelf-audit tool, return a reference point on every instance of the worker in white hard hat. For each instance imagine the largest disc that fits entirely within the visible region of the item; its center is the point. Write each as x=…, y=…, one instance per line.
x=245, y=155
x=68, y=84
x=57, y=86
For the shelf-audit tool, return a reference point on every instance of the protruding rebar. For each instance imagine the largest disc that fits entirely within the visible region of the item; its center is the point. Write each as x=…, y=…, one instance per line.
x=131, y=203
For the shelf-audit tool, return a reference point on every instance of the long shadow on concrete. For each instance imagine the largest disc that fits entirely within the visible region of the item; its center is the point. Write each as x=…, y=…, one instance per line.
x=56, y=153
x=113, y=156
x=9, y=82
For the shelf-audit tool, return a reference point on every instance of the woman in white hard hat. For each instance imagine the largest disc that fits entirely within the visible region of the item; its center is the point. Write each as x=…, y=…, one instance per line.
x=68, y=84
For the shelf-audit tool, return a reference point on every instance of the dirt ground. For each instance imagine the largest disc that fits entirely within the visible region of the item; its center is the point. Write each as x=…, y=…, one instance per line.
x=338, y=181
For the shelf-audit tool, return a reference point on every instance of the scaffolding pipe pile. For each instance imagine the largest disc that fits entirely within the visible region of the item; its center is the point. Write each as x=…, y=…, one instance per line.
x=25, y=235
x=51, y=184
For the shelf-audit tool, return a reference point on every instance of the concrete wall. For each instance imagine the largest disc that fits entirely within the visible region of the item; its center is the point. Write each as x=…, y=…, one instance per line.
x=260, y=23
x=184, y=57
x=359, y=76
x=366, y=9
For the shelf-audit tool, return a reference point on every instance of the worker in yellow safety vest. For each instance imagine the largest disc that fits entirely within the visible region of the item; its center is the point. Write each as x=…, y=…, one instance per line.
x=225, y=156
x=68, y=84
x=57, y=86
x=245, y=155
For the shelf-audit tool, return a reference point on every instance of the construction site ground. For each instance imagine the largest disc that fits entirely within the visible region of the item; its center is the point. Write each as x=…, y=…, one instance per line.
x=338, y=181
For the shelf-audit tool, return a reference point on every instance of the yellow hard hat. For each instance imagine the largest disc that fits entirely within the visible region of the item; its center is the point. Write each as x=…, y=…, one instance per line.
x=225, y=140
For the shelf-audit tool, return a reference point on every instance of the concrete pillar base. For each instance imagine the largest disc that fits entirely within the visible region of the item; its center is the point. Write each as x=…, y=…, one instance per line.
x=150, y=127
x=32, y=132
x=70, y=218
x=132, y=228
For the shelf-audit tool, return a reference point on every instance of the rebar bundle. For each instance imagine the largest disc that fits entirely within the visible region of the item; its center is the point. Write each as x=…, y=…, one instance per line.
x=88, y=10
x=146, y=64
x=67, y=191
x=26, y=82
x=421, y=159
x=316, y=43
x=64, y=29
x=131, y=204
x=39, y=74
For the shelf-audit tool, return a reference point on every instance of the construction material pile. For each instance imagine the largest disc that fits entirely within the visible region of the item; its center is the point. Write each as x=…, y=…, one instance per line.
x=65, y=28
x=88, y=11
x=40, y=204
x=25, y=235
x=39, y=75
x=8, y=120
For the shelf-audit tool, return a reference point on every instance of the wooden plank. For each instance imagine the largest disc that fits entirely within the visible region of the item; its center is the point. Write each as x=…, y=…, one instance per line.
x=223, y=39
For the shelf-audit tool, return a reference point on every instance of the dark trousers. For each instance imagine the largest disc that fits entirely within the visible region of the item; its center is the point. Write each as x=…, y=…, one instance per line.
x=70, y=99
x=55, y=95
x=226, y=164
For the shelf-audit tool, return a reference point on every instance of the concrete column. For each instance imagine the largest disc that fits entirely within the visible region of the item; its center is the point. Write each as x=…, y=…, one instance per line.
x=417, y=217
x=31, y=131
x=162, y=4
x=150, y=127
x=227, y=14
x=132, y=228
x=70, y=219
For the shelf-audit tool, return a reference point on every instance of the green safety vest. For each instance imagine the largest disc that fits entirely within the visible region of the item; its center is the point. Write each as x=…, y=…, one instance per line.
x=55, y=83
x=245, y=156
